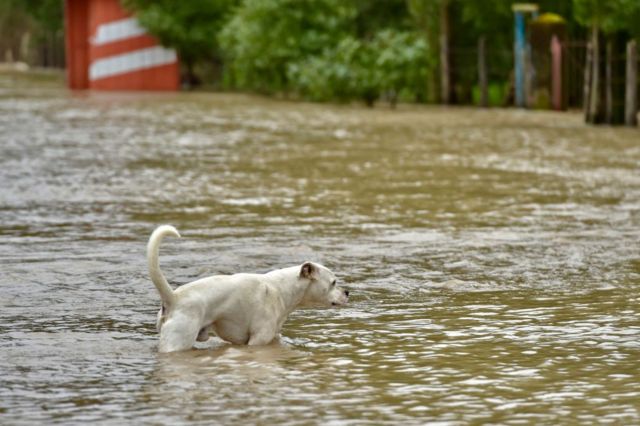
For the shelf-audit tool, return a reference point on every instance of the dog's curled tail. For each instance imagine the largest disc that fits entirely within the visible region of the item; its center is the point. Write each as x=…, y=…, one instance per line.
x=153, y=251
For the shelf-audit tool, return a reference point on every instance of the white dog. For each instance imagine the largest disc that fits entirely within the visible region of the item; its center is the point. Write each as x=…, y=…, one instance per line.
x=241, y=308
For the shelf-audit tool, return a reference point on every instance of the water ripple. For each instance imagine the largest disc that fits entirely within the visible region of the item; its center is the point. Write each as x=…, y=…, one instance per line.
x=491, y=255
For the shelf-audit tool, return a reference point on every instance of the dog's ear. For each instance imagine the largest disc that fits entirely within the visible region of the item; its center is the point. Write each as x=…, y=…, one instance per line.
x=308, y=270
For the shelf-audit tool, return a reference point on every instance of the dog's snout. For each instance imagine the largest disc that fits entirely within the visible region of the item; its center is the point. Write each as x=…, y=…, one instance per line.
x=346, y=293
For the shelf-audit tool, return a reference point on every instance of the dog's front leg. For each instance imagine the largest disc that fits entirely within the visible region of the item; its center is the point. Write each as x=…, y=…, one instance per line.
x=178, y=333
x=260, y=340
x=263, y=336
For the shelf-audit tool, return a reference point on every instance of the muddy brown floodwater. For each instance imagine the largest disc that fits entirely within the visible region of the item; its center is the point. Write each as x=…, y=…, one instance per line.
x=493, y=257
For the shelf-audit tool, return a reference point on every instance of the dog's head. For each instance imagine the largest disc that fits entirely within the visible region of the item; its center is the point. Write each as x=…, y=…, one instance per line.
x=322, y=289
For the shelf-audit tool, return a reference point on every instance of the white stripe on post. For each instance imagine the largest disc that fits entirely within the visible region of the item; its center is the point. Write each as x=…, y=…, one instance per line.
x=117, y=30
x=131, y=61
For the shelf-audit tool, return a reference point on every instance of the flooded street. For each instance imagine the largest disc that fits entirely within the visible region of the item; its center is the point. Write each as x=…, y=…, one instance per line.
x=493, y=258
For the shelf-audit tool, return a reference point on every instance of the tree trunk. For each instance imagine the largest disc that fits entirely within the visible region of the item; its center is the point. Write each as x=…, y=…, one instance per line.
x=483, y=80
x=631, y=89
x=432, y=82
x=189, y=78
x=609, y=84
x=445, y=72
x=433, y=92
x=588, y=68
x=25, y=42
x=594, y=115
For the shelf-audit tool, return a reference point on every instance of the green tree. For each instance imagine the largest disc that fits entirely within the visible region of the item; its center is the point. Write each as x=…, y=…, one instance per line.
x=265, y=36
x=13, y=22
x=47, y=13
x=32, y=30
x=402, y=61
x=625, y=15
x=389, y=64
x=191, y=27
x=342, y=73
x=372, y=16
x=426, y=17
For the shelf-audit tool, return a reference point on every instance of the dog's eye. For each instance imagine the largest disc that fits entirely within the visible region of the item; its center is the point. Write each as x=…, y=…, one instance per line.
x=333, y=283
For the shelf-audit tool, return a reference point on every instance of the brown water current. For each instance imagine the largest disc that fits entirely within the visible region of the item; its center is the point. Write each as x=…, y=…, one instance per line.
x=493, y=258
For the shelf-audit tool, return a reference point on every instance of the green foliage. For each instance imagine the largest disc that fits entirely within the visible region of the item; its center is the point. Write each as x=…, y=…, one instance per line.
x=324, y=49
x=609, y=15
x=487, y=17
x=391, y=63
x=496, y=94
x=592, y=12
x=265, y=36
x=373, y=15
x=12, y=17
x=190, y=27
x=39, y=15
x=425, y=13
x=334, y=49
x=340, y=73
x=47, y=13
x=402, y=61
x=32, y=30
x=626, y=16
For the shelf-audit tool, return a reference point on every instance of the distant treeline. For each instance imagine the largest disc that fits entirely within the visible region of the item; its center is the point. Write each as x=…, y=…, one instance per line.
x=409, y=50
x=32, y=31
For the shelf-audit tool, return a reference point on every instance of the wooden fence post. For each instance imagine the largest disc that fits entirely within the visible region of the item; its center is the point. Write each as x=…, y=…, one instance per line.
x=483, y=80
x=631, y=90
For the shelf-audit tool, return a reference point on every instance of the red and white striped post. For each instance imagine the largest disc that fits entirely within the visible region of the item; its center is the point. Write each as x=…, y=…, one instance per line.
x=108, y=50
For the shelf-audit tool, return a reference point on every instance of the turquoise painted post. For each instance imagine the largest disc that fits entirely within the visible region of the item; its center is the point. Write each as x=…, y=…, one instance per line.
x=519, y=56
x=520, y=50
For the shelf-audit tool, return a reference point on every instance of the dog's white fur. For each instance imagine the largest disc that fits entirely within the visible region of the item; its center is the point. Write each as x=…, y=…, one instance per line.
x=240, y=308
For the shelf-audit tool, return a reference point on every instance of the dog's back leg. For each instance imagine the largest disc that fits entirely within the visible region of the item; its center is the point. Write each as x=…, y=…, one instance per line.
x=178, y=333
x=161, y=318
x=263, y=335
x=203, y=334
